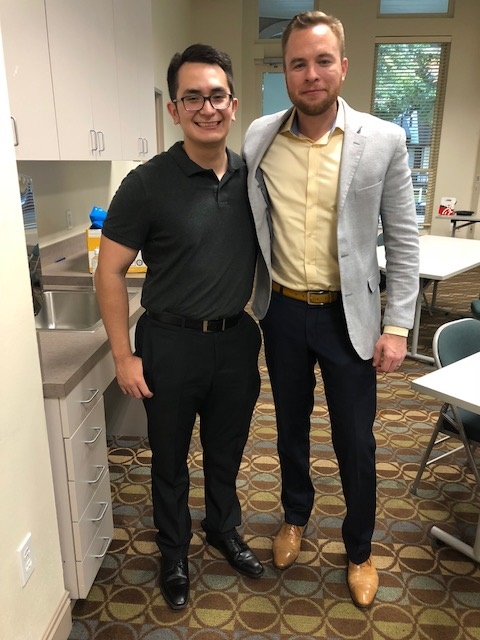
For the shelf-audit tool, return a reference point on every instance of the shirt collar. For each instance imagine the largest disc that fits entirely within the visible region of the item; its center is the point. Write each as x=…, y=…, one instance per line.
x=291, y=124
x=189, y=167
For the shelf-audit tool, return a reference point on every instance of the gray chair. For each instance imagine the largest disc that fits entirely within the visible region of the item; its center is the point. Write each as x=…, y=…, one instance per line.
x=453, y=341
x=475, y=307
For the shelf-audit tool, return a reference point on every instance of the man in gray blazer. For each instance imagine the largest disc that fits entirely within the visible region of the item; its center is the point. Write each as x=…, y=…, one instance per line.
x=321, y=175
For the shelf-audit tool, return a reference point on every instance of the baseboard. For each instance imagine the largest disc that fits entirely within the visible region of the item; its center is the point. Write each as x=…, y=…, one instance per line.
x=61, y=622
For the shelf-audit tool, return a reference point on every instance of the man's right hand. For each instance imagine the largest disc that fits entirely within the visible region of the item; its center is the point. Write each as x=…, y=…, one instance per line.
x=130, y=377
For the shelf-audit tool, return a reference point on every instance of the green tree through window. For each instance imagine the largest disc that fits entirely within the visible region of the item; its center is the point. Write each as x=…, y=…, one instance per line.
x=409, y=90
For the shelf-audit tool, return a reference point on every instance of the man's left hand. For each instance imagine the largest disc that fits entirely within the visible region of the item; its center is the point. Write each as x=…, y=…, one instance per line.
x=390, y=351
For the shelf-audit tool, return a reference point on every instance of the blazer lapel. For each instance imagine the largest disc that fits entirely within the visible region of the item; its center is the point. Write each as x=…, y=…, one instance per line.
x=268, y=136
x=353, y=145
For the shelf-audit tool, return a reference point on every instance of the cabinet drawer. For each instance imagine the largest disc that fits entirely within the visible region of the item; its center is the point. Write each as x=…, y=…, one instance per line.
x=82, y=493
x=85, y=396
x=87, y=448
x=97, y=512
x=88, y=568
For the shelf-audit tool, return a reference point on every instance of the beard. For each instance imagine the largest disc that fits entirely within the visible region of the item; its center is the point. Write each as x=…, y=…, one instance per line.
x=317, y=108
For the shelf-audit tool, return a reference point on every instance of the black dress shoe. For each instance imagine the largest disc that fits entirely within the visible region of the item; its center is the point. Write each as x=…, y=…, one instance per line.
x=238, y=554
x=174, y=582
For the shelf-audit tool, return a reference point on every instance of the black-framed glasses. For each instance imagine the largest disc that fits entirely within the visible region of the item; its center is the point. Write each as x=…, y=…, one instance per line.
x=196, y=102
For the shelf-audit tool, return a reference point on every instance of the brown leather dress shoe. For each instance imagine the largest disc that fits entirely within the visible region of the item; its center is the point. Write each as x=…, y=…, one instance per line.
x=286, y=545
x=363, y=583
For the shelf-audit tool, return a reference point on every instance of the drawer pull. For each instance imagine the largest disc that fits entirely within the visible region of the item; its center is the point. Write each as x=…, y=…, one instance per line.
x=101, y=469
x=104, y=552
x=99, y=431
x=104, y=511
x=94, y=394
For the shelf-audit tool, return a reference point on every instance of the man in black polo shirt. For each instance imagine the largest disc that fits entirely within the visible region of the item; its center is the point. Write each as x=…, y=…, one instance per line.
x=196, y=348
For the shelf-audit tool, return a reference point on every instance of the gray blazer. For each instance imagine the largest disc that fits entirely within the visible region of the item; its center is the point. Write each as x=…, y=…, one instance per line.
x=375, y=182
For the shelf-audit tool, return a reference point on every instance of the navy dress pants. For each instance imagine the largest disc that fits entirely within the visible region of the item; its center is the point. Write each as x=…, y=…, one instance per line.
x=296, y=337
x=214, y=376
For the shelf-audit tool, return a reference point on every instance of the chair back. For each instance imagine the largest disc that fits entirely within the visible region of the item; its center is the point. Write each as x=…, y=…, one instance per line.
x=456, y=340
x=475, y=307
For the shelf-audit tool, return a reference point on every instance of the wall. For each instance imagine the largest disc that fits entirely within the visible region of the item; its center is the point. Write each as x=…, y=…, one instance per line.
x=219, y=23
x=26, y=489
x=73, y=186
x=172, y=29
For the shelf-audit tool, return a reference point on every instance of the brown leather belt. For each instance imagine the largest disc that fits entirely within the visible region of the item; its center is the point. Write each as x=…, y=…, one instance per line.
x=310, y=297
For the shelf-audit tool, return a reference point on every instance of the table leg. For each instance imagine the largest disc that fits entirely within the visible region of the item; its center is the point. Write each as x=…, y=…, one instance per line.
x=416, y=328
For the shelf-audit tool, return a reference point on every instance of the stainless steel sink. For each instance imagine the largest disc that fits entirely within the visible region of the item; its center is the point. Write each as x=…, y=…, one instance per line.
x=69, y=310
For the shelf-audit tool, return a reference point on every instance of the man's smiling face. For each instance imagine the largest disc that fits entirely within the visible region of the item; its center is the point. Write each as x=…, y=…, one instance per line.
x=208, y=126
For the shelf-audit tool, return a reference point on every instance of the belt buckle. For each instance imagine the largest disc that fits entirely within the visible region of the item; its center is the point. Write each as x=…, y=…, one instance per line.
x=310, y=301
x=205, y=328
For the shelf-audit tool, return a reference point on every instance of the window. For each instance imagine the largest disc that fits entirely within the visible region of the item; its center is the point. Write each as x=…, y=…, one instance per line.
x=409, y=89
x=274, y=15
x=416, y=7
x=274, y=93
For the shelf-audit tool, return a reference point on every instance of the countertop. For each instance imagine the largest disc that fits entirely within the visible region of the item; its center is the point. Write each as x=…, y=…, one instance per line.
x=73, y=271
x=67, y=356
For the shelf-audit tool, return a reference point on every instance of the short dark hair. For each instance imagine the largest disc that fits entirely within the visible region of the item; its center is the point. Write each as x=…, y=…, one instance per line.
x=198, y=53
x=311, y=19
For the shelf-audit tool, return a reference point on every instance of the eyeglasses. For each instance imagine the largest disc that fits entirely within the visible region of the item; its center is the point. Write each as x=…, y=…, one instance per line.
x=195, y=103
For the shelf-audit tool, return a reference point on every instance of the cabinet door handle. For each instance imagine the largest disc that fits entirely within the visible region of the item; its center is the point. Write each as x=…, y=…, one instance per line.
x=98, y=432
x=101, y=469
x=93, y=140
x=140, y=146
x=104, y=511
x=101, y=137
x=104, y=552
x=94, y=393
x=145, y=147
x=15, y=132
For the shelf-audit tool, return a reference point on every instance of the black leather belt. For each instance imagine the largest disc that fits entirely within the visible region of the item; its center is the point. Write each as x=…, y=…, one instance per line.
x=206, y=326
x=317, y=298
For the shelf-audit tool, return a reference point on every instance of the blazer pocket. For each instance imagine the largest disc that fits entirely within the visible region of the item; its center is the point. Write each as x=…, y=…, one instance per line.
x=375, y=187
x=369, y=195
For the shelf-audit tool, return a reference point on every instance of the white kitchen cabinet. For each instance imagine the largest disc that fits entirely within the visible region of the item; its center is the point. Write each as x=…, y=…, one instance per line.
x=27, y=61
x=80, y=78
x=84, y=76
x=134, y=46
x=78, y=448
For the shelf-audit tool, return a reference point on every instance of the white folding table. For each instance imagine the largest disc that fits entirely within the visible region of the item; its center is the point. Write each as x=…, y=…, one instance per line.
x=459, y=221
x=440, y=258
x=456, y=383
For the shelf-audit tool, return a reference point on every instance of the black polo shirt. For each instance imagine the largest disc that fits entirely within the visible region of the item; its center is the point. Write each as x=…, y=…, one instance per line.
x=196, y=234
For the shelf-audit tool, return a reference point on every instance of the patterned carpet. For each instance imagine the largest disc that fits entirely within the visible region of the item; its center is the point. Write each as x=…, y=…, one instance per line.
x=427, y=591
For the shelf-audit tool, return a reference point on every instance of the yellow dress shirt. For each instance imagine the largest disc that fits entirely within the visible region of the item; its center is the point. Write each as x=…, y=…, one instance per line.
x=304, y=207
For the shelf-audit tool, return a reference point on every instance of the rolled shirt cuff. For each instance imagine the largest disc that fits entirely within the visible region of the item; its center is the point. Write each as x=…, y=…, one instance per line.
x=396, y=331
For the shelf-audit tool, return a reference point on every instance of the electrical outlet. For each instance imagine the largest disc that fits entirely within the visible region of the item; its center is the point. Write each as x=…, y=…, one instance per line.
x=27, y=559
x=68, y=216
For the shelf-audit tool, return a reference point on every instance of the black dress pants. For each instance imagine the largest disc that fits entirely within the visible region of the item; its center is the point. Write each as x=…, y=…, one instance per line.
x=296, y=337
x=214, y=375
